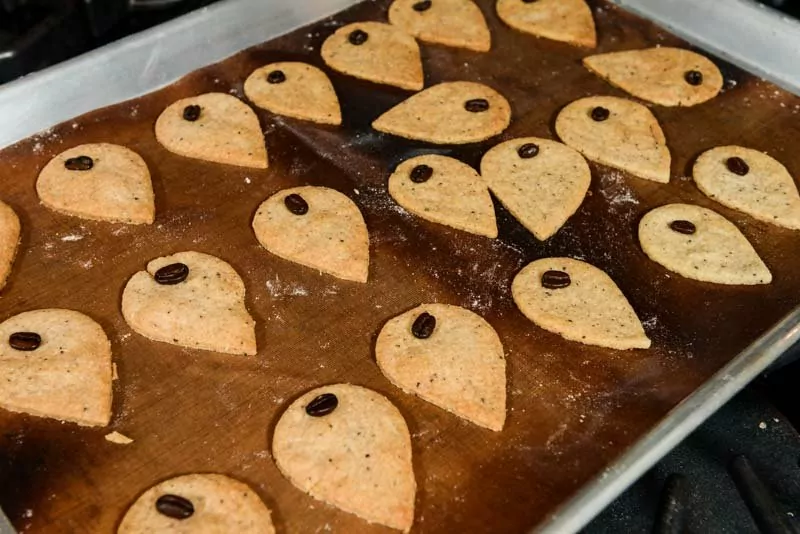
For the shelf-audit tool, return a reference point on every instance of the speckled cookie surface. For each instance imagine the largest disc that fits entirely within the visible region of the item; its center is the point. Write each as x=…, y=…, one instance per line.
x=561, y=20
x=458, y=23
x=9, y=240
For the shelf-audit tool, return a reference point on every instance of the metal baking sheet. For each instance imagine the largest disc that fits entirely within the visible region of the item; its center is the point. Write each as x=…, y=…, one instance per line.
x=574, y=410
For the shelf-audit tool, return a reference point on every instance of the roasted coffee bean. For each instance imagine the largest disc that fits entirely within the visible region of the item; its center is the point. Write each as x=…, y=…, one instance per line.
x=25, y=340
x=693, y=77
x=296, y=204
x=276, y=76
x=81, y=163
x=425, y=5
x=421, y=174
x=600, y=114
x=683, y=227
x=476, y=105
x=423, y=325
x=528, y=150
x=172, y=274
x=555, y=280
x=358, y=37
x=737, y=166
x=528, y=1
x=191, y=113
x=174, y=506
x=322, y=405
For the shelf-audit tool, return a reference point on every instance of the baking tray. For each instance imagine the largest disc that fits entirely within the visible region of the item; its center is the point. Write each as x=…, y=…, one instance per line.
x=583, y=422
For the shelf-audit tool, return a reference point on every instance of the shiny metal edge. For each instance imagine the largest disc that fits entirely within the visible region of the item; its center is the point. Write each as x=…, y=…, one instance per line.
x=146, y=61
x=756, y=38
x=681, y=421
x=5, y=525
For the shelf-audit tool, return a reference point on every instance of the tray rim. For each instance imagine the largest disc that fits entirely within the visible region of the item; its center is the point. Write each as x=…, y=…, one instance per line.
x=230, y=26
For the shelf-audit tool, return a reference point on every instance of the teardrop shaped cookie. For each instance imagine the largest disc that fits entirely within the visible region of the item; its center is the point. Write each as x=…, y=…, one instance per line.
x=701, y=244
x=317, y=227
x=202, y=503
x=192, y=300
x=350, y=447
x=560, y=20
x=459, y=365
x=579, y=302
x=376, y=52
x=9, y=240
x=100, y=181
x=56, y=363
x=448, y=113
x=445, y=191
x=458, y=23
x=662, y=75
x=214, y=127
x=749, y=181
x=541, y=182
x=296, y=90
x=616, y=132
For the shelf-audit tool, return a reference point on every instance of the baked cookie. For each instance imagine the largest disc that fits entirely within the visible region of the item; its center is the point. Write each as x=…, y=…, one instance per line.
x=350, y=447
x=317, y=227
x=193, y=300
x=560, y=20
x=662, y=75
x=450, y=357
x=616, y=132
x=700, y=244
x=198, y=504
x=579, y=302
x=458, y=23
x=214, y=127
x=749, y=181
x=375, y=52
x=445, y=191
x=56, y=363
x=448, y=113
x=99, y=181
x=296, y=90
x=9, y=240
x=541, y=182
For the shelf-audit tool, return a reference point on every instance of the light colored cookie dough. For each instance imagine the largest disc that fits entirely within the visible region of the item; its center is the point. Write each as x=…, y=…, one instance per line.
x=9, y=240
x=305, y=93
x=460, y=367
x=357, y=457
x=458, y=23
x=659, y=75
x=331, y=237
x=717, y=252
x=454, y=195
x=438, y=115
x=68, y=377
x=205, y=311
x=560, y=20
x=767, y=192
x=221, y=505
x=630, y=139
x=117, y=188
x=226, y=131
x=389, y=55
x=591, y=310
x=542, y=191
